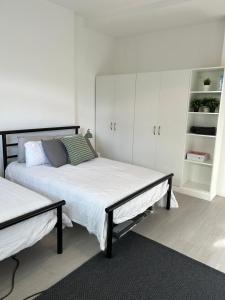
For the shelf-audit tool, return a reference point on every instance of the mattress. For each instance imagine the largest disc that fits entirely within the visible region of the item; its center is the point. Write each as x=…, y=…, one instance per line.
x=90, y=187
x=15, y=201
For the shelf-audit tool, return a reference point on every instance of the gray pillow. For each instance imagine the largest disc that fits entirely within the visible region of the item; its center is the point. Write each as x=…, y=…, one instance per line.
x=91, y=147
x=56, y=152
x=24, y=139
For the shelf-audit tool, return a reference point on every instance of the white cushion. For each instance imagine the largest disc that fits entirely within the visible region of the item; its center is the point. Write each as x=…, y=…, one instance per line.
x=27, y=138
x=34, y=153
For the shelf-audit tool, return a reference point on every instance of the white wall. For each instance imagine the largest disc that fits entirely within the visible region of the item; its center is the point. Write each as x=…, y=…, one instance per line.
x=221, y=181
x=37, y=87
x=48, y=63
x=187, y=47
x=94, y=55
x=36, y=64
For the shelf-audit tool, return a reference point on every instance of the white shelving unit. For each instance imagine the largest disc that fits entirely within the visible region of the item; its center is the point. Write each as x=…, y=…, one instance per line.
x=205, y=92
x=206, y=163
x=200, y=178
x=202, y=113
x=202, y=136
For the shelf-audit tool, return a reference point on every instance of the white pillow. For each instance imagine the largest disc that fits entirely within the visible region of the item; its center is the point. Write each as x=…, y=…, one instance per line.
x=34, y=154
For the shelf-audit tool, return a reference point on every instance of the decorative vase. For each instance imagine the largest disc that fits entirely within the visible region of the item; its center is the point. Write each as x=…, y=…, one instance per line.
x=206, y=88
x=205, y=109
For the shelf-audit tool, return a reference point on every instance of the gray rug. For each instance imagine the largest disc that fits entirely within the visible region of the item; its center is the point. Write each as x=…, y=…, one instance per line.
x=140, y=269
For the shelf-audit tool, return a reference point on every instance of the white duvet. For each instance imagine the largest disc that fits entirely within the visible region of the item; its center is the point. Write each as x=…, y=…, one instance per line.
x=15, y=201
x=92, y=186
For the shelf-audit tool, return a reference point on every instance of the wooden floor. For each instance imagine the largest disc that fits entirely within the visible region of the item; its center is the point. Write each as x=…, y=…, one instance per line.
x=196, y=229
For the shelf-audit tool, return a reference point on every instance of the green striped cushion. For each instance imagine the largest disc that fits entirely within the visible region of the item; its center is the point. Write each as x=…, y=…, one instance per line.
x=78, y=149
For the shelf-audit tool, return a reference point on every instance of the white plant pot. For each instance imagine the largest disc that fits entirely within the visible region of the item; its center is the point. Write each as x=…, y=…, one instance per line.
x=206, y=88
x=205, y=109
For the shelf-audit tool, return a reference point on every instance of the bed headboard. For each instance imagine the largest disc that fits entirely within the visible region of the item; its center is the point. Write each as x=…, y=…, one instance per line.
x=5, y=133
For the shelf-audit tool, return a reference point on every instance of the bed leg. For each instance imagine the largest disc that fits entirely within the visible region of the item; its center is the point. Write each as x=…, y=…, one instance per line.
x=4, y=147
x=109, y=235
x=59, y=231
x=169, y=193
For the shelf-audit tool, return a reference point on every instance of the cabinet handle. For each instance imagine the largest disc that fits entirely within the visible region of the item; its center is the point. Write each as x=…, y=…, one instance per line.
x=111, y=126
x=154, y=130
x=159, y=130
x=114, y=126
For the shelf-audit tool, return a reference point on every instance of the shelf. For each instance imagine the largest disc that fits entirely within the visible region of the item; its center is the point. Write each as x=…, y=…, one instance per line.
x=197, y=186
x=197, y=180
x=208, y=163
x=208, y=69
x=203, y=113
x=206, y=92
x=201, y=135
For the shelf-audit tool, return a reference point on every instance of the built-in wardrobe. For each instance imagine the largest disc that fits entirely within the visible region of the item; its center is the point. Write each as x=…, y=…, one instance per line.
x=144, y=119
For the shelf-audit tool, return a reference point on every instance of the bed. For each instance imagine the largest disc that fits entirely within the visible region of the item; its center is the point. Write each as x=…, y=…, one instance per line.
x=105, y=196
x=25, y=218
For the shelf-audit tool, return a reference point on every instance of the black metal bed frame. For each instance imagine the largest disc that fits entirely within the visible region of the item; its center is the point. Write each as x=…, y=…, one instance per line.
x=58, y=205
x=114, y=231
x=5, y=133
x=42, y=210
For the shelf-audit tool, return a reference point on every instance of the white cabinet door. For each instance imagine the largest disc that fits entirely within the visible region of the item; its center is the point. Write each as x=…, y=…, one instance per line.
x=105, y=87
x=146, y=119
x=173, y=104
x=124, y=117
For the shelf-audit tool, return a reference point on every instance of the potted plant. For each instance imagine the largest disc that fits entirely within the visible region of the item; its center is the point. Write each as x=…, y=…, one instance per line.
x=205, y=107
x=209, y=104
x=213, y=103
x=207, y=83
x=196, y=104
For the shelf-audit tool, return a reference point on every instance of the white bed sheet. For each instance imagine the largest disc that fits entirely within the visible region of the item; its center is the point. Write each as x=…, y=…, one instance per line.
x=15, y=200
x=92, y=186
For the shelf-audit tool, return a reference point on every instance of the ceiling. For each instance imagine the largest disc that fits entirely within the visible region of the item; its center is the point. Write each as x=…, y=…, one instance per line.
x=130, y=17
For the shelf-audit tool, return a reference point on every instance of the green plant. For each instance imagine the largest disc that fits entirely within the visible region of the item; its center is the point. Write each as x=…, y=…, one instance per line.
x=196, y=104
x=207, y=81
x=205, y=101
x=211, y=103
